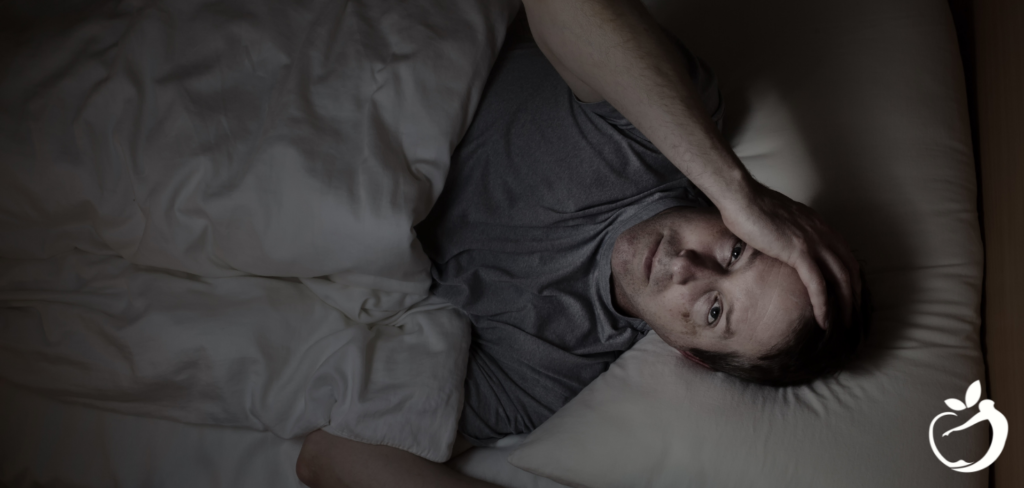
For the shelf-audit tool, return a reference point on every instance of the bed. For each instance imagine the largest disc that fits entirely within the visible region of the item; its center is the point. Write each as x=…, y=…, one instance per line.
x=857, y=108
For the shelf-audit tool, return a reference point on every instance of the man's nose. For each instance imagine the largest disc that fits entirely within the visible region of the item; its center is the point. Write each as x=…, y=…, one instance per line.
x=690, y=266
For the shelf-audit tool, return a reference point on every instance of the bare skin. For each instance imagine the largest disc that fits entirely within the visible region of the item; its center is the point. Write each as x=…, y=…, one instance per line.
x=613, y=50
x=699, y=286
x=328, y=461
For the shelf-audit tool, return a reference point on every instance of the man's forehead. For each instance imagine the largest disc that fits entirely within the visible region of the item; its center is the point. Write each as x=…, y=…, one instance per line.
x=768, y=303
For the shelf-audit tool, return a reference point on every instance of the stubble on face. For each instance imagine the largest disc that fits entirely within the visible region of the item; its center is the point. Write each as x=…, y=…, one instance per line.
x=627, y=264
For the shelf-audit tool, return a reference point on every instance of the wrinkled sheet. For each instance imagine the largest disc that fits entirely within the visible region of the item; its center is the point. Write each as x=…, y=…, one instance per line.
x=58, y=444
x=206, y=209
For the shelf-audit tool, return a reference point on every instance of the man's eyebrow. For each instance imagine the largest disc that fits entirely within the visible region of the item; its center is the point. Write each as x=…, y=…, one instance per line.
x=752, y=256
x=727, y=332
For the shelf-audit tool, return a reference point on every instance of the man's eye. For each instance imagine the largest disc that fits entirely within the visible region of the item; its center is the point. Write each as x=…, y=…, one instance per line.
x=737, y=251
x=714, y=313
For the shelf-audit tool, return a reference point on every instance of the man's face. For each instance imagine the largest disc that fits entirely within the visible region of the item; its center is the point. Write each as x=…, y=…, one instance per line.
x=698, y=286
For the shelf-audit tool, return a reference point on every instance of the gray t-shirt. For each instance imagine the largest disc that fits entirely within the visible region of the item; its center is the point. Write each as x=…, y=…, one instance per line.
x=521, y=238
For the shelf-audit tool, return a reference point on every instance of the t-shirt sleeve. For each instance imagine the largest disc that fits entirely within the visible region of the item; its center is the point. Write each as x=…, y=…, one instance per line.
x=495, y=405
x=515, y=381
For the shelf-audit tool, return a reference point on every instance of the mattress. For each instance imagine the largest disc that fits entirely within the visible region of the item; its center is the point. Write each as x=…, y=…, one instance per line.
x=51, y=443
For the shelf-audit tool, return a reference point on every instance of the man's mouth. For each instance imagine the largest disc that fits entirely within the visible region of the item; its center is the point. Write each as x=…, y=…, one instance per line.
x=649, y=259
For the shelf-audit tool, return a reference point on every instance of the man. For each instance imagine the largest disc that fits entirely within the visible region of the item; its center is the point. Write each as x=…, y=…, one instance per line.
x=567, y=228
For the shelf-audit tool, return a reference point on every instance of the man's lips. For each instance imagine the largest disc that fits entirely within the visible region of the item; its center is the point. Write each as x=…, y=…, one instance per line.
x=649, y=259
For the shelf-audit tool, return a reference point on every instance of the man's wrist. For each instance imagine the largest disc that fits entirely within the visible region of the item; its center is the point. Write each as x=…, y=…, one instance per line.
x=729, y=185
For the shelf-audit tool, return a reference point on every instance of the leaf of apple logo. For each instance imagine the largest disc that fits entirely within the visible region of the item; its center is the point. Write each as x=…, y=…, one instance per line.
x=973, y=394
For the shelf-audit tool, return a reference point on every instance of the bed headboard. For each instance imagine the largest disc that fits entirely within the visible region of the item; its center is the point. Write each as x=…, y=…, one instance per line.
x=999, y=90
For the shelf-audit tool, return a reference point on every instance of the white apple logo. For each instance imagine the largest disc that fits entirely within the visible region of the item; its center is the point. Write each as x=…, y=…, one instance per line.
x=986, y=411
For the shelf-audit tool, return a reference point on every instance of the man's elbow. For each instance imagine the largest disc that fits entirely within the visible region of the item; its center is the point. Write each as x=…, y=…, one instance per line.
x=304, y=470
x=316, y=467
x=305, y=466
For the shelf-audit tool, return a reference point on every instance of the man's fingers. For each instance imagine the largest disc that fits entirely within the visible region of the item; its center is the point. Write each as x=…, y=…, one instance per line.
x=849, y=262
x=816, y=289
x=854, y=267
x=842, y=275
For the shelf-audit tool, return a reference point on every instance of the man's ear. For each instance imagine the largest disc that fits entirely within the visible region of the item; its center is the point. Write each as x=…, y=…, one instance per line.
x=693, y=358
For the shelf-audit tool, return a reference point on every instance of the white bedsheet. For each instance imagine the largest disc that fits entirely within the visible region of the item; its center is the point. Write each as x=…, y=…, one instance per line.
x=56, y=444
x=206, y=209
x=48, y=443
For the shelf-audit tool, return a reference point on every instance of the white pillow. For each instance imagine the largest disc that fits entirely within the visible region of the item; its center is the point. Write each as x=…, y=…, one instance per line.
x=856, y=108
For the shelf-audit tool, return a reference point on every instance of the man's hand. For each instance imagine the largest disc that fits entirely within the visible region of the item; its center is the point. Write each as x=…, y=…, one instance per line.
x=794, y=234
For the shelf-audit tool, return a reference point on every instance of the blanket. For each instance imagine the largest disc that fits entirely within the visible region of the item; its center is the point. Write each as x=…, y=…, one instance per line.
x=206, y=209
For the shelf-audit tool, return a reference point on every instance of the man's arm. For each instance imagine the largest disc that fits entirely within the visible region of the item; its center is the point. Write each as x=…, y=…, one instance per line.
x=614, y=50
x=328, y=461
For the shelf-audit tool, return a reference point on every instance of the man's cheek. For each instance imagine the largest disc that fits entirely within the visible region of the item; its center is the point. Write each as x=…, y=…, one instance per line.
x=676, y=315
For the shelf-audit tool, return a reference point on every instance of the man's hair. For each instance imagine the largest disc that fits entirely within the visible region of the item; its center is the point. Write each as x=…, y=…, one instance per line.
x=809, y=353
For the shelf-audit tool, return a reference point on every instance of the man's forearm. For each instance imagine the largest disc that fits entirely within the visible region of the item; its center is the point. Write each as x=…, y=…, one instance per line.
x=328, y=461
x=615, y=51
